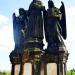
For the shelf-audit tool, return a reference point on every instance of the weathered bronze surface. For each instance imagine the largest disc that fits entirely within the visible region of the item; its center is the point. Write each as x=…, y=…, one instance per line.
x=53, y=27
x=29, y=29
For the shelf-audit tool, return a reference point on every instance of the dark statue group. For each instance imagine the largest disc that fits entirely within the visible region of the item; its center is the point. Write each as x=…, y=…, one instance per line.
x=31, y=25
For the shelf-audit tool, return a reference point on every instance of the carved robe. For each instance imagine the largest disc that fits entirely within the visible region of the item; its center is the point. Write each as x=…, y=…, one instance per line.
x=52, y=27
x=35, y=21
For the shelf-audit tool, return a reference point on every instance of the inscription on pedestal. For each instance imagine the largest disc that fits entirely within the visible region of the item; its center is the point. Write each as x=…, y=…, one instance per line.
x=51, y=69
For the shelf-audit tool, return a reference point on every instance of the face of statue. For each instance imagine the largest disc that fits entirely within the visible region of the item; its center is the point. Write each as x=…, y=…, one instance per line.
x=50, y=4
x=21, y=11
x=36, y=0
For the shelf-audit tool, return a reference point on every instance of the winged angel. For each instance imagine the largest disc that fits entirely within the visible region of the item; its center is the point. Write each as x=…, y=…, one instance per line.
x=55, y=25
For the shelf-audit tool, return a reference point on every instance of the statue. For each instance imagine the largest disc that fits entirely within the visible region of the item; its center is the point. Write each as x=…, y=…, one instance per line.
x=29, y=28
x=35, y=22
x=19, y=26
x=55, y=26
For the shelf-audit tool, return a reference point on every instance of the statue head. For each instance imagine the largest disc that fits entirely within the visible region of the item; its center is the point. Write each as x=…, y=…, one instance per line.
x=36, y=0
x=22, y=11
x=50, y=4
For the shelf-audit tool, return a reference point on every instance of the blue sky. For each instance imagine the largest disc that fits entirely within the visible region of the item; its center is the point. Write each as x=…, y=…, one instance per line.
x=7, y=7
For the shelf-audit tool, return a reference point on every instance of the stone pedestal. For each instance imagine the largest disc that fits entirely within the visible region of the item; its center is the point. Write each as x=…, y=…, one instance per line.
x=15, y=59
x=35, y=62
x=31, y=59
x=55, y=62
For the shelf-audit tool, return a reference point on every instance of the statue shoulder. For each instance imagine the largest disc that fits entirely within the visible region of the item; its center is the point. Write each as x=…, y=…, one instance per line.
x=57, y=10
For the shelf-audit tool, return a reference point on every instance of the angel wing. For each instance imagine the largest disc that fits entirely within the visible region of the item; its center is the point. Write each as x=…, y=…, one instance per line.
x=14, y=20
x=63, y=21
x=15, y=25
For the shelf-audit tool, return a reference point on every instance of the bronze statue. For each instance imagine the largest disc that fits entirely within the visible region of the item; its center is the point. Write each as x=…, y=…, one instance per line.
x=35, y=21
x=29, y=28
x=55, y=25
x=19, y=27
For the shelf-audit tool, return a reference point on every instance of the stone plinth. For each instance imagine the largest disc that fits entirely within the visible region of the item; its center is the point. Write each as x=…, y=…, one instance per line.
x=15, y=59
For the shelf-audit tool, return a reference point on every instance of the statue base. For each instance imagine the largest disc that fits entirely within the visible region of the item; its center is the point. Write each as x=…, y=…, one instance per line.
x=36, y=62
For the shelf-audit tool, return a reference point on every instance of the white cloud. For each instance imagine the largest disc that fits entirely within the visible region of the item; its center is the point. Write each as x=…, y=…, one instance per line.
x=3, y=20
x=70, y=41
x=6, y=42
x=4, y=61
x=6, y=35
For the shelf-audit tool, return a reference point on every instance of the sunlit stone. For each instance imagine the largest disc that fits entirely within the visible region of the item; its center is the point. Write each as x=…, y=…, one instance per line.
x=51, y=69
x=27, y=69
x=17, y=69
